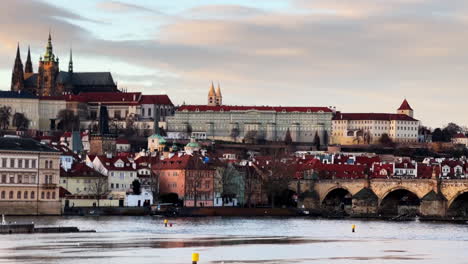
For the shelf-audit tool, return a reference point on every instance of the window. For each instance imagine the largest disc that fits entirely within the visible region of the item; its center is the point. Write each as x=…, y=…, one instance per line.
x=12, y=179
x=12, y=163
x=50, y=164
x=25, y=195
x=4, y=178
x=3, y=195
x=48, y=195
x=112, y=186
x=42, y=195
x=117, y=114
x=149, y=111
x=53, y=195
x=142, y=111
x=32, y=195
x=20, y=163
x=20, y=179
x=4, y=162
x=33, y=179
x=46, y=164
x=11, y=195
x=26, y=164
x=18, y=195
x=117, y=185
x=33, y=164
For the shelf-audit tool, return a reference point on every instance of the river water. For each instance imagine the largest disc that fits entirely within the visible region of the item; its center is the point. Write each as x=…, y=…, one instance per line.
x=219, y=240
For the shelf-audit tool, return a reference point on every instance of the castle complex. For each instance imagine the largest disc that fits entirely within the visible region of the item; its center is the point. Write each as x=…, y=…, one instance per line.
x=50, y=81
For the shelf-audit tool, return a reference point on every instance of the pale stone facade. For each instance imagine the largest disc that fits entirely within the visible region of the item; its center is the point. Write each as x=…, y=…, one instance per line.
x=29, y=178
x=368, y=128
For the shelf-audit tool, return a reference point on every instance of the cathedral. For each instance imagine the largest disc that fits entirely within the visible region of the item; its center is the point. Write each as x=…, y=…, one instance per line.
x=50, y=81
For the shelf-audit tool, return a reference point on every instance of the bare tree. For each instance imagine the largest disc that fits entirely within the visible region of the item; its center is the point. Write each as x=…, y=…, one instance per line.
x=153, y=183
x=276, y=176
x=229, y=183
x=5, y=115
x=194, y=178
x=99, y=187
x=234, y=133
x=251, y=181
x=68, y=120
x=20, y=122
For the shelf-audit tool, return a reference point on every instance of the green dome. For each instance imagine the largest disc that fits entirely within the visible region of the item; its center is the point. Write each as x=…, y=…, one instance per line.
x=193, y=145
x=160, y=139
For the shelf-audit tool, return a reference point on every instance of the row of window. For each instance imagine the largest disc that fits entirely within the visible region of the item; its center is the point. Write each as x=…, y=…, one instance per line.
x=18, y=163
x=20, y=179
x=26, y=195
x=118, y=186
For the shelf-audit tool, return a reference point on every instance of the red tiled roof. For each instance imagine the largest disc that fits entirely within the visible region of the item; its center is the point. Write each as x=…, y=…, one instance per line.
x=111, y=97
x=122, y=141
x=459, y=135
x=80, y=170
x=161, y=99
x=227, y=108
x=372, y=116
x=108, y=163
x=405, y=106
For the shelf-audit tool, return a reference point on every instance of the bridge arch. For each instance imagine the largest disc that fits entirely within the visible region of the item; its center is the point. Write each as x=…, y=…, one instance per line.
x=458, y=205
x=337, y=200
x=398, y=201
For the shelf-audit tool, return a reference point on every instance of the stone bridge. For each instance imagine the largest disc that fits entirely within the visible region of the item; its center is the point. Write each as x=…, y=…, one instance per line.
x=429, y=197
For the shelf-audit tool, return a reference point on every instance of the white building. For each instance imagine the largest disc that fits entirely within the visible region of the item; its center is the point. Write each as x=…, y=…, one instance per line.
x=368, y=128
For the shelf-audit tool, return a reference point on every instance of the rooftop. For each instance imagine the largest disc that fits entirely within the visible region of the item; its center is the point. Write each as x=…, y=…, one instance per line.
x=24, y=144
x=238, y=108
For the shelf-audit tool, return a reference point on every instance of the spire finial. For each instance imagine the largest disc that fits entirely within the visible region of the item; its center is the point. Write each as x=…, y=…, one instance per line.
x=70, y=63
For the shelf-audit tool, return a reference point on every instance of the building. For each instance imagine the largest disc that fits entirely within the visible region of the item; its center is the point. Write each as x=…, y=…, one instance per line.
x=83, y=180
x=368, y=128
x=188, y=177
x=29, y=177
x=461, y=139
x=51, y=81
x=156, y=142
x=121, y=172
x=216, y=121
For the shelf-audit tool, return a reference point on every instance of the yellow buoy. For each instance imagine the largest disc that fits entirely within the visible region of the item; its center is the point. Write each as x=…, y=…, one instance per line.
x=195, y=258
x=353, y=228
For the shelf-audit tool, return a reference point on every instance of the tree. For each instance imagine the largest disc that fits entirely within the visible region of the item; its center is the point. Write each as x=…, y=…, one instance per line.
x=230, y=186
x=438, y=135
x=194, y=178
x=234, y=133
x=250, y=137
x=153, y=183
x=252, y=181
x=451, y=130
x=68, y=121
x=20, y=122
x=276, y=176
x=129, y=125
x=136, y=187
x=316, y=141
x=99, y=187
x=287, y=138
x=385, y=140
x=5, y=115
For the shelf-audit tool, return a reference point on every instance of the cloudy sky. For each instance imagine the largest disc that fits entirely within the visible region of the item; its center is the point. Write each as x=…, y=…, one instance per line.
x=359, y=55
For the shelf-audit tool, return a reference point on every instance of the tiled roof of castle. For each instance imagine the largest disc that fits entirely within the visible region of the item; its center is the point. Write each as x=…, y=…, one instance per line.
x=227, y=108
x=160, y=99
x=405, y=106
x=372, y=116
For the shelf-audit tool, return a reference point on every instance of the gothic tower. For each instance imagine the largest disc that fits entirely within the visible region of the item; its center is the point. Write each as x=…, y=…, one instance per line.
x=17, y=77
x=28, y=68
x=405, y=109
x=47, y=73
x=219, y=97
x=211, y=96
x=70, y=63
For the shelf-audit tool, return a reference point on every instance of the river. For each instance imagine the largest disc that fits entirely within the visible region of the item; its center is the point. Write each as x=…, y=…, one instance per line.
x=219, y=240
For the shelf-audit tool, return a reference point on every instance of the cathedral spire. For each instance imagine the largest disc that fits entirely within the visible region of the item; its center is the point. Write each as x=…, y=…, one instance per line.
x=28, y=67
x=70, y=63
x=49, y=55
x=17, y=77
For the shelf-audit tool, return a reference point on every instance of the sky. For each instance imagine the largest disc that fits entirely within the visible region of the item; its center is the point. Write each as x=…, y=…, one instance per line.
x=359, y=56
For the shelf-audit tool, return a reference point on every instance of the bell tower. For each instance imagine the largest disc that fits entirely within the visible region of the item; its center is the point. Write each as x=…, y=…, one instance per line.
x=405, y=109
x=211, y=96
x=47, y=72
x=219, y=97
